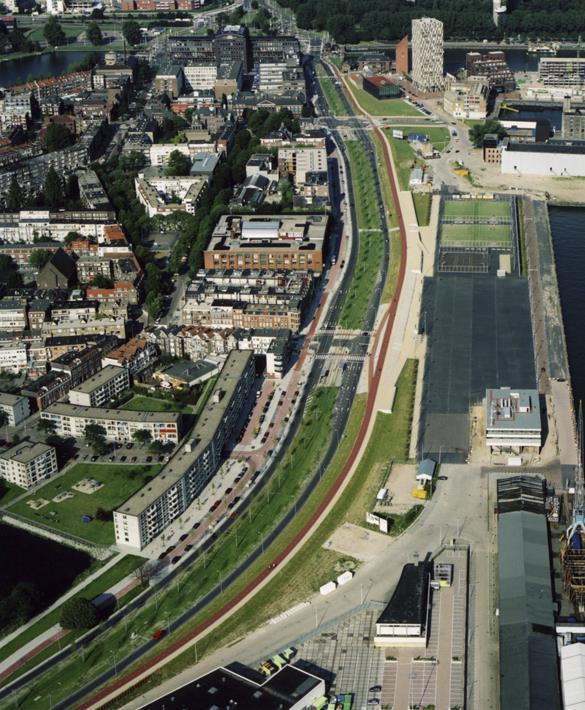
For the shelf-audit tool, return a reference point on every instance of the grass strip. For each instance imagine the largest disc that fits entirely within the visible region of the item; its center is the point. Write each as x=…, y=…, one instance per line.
x=335, y=104
x=370, y=242
x=422, y=207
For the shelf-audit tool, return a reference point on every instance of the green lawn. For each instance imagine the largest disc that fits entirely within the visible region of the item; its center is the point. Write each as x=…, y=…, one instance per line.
x=474, y=209
x=300, y=461
x=381, y=107
x=371, y=248
x=489, y=235
x=154, y=404
x=9, y=492
x=71, y=31
x=405, y=159
x=120, y=482
x=477, y=208
x=437, y=135
x=329, y=91
x=422, y=207
x=101, y=584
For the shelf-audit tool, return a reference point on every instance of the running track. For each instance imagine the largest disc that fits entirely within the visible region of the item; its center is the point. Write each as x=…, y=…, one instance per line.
x=299, y=538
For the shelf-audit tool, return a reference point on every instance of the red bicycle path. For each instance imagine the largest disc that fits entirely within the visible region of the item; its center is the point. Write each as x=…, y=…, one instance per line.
x=299, y=538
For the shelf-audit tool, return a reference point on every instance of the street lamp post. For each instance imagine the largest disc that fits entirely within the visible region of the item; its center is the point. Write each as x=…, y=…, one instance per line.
x=113, y=655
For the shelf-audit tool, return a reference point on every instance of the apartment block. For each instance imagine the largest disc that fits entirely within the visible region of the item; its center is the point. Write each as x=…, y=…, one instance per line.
x=297, y=162
x=285, y=242
x=427, y=54
x=163, y=194
x=29, y=225
x=103, y=387
x=48, y=388
x=200, y=77
x=562, y=71
x=78, y=364
x=120, y=424
x=147, y=513
x=467, y=100
x=401, y=56
x=13, y=317
x=16, y=408
x=13, y=356
x=27, y=464
x=136, y=355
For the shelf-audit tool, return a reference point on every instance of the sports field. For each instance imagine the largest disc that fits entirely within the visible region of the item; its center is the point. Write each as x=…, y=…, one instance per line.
x=474, y=209
x=485, y=235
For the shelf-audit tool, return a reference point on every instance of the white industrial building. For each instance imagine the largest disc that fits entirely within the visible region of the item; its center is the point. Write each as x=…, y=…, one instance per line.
x=16, y=407
x=554, y=159
x=512, y=420
x=573, y=676
x=27, y=463
x=101, y=388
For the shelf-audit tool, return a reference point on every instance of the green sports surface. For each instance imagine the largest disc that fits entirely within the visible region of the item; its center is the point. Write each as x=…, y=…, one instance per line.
x=474, y=209
x=487, y=235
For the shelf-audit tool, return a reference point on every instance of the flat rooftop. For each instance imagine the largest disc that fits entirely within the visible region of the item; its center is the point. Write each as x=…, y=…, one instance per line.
x=123, y=415
x=565, y=147
x=512, y=409
x=9, y=400
x=226, y=688
x=201, y=436
x=107, y=373
x=24, y=452
x=408, y=604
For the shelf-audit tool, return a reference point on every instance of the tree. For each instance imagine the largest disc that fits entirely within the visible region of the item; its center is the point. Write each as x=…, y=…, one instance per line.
x=53, y=189
x=14, y=199
x=53, y=32
x=144, y=573
x=153, y=303
x=71, y=237
x=94, y=33
x=95, y=438
x=39, y=258
x=79, y=613
x=480, y=130
x=57, y=137
x=178, y=164
x=46, y=426
x=103, y=515
x=142, y=437
x=101, y=281
x=131, y=32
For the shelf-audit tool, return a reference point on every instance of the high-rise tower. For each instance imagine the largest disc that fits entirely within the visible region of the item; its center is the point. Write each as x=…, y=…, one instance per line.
x=427, y=54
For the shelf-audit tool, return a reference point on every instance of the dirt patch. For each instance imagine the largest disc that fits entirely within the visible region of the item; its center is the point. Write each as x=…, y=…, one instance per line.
x=357, y=542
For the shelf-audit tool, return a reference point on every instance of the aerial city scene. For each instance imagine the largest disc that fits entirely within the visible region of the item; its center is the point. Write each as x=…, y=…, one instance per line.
x=292, y=354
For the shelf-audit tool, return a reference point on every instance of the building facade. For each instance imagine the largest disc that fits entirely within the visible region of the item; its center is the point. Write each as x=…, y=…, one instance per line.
x=16, y=408
x=427, y=54
x=27, y=464
x=103, y=387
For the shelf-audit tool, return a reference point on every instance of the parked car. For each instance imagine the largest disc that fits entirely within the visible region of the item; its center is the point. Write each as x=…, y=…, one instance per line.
x=158, y=634
x=175, y=559
x=184, y=536
x=123, y=458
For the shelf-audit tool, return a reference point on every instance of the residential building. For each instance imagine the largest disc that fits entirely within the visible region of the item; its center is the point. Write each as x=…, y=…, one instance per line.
x=163, y=194
x=512, y=420
x=169, y=80
x=467, y=100
x=28, y=226
x=229, y=79
x=26, y=464
x=78, y=364
x=554, y=159
x=297, y=162
x=136, y=355
x=48, y=388
x=103, y=387
x=287, y=242
x=562, y=71
x=401, y=56
x=13, y=357
x=58, y=272
x=13, y=315
x=492, y=150
x=493, y=67
x=380, y=87
x=120, y=424
x=91, y=191
x=573, y=127
x=147, y=513
x=427, y=54
x=16, y=408
x=200, y=77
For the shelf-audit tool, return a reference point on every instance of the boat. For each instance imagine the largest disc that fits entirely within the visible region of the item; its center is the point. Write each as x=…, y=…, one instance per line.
x=544, y=48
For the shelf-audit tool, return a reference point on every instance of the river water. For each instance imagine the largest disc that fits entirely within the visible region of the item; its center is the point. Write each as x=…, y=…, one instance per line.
x=568, y=232
x=17, y=71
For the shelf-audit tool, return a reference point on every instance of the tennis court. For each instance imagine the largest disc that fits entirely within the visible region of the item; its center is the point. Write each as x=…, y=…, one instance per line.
x=476, y=209
x=496, y=236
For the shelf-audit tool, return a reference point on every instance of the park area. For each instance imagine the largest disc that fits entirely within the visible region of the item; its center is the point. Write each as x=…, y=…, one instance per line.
x=380, y=107
x=154, y=404
x=477, y=209
x=80, y=501
x=496, y=236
